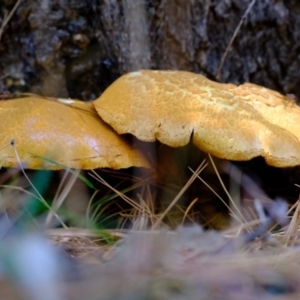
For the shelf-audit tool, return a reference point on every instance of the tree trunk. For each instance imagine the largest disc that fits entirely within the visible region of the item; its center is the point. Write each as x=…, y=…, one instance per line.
x=77, y=48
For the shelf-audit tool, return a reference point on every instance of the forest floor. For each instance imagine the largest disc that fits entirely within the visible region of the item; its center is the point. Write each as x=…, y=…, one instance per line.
x=252, y=260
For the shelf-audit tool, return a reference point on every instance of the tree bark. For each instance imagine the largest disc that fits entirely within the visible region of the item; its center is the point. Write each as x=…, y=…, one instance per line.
x=77, y=48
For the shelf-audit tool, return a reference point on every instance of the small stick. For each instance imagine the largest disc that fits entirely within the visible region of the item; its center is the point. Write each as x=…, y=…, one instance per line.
x=7, y=19
x=233, y=38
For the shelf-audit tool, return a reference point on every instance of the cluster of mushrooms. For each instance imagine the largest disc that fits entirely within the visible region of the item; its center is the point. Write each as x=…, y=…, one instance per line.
x=174, y=107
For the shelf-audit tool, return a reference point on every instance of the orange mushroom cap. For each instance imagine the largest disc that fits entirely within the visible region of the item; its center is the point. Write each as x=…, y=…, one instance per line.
x=228, y=121
x=69, y=133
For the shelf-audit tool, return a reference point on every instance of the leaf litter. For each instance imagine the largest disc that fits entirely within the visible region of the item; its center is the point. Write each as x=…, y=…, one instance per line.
x=252, y=261
x=188, y=263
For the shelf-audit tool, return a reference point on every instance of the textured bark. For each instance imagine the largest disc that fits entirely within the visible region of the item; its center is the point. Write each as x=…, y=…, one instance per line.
x=77, y=48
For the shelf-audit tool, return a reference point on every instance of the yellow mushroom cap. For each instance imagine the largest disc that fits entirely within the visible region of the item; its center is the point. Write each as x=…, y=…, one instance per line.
x=68, y=132
x=228, y=121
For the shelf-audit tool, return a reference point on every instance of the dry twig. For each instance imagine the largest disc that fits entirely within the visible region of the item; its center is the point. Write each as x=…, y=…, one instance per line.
x=6, y=19
x=233, y=38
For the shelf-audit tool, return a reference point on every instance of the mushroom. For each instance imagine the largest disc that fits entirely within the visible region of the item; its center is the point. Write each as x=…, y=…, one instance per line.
x=50, y=134
x=228, y=121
